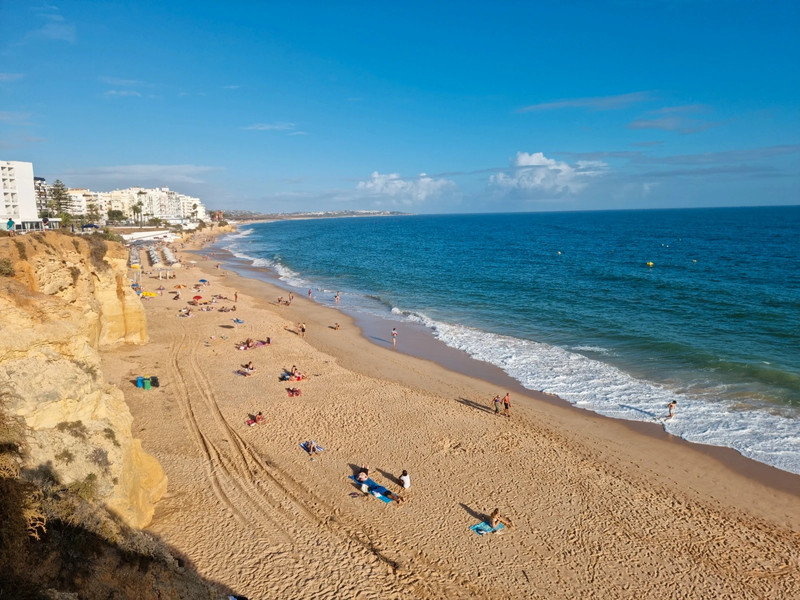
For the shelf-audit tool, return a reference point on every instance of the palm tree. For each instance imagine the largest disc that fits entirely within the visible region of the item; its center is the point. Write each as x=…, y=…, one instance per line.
x=137, y=208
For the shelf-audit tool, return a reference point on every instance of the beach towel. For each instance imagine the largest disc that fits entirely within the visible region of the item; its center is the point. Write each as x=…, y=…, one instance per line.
x=304, y=446
x=239, y=321
x=483, y=527
x=376, y=490
x=250, y=422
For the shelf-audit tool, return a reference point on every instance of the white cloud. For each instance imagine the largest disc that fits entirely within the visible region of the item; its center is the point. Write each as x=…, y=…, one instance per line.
x=270, y=127
x=536, y=172
x=405, y=191
x=147, y=175
x=56, y=28
x=14, y=118
x=122, y=93
x=119, y=82
x=593, y=103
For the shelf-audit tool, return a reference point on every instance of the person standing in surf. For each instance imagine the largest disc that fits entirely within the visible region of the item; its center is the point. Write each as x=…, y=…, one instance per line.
x=394, y=338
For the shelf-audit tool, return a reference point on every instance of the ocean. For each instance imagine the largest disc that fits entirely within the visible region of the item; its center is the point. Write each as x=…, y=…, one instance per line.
x=617, y=312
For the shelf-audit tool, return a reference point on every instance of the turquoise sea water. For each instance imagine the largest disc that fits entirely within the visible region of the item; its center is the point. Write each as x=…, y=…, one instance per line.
x=566, y=303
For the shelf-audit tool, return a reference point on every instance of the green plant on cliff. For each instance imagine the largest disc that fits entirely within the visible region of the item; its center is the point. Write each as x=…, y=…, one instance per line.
x=65, y=456
x=74, y=428
x=6, y=268
x=113, y=237
x=85, y=488
x=110, y=435
x=97, y=250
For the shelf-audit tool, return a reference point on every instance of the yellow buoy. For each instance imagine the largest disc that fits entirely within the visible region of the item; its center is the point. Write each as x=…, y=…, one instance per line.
x=650, y=264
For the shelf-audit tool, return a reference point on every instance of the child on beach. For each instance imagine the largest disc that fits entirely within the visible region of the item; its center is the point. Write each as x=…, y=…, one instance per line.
x=671, y=406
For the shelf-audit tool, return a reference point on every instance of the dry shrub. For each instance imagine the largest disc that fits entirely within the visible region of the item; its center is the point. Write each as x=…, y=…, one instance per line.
x=6, y=268
x=23, y=252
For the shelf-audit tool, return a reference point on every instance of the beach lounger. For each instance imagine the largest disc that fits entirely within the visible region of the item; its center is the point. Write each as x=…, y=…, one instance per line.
x=376, y=490
x=483, y=527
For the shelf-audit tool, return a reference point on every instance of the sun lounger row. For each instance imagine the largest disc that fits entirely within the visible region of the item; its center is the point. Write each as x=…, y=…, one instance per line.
x=169, y=257
x=153, y=256
x=133, y=257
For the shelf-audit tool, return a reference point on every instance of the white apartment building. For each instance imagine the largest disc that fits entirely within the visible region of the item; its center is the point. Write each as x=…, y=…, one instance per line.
x=17, y=196
x=82, y=201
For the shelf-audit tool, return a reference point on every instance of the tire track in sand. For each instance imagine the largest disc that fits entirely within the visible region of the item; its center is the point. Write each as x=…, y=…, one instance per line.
x=250, y=486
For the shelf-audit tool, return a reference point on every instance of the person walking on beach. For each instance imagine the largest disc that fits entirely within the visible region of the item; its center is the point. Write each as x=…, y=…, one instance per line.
x=337, y=298
x=671, y=406
x=302, y=330
x=507, y=405
x=496, y=403
x=309, y=294
x=394, y=338
x=235, y=296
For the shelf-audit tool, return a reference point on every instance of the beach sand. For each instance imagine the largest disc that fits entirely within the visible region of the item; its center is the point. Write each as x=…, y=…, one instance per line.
x=601, y=509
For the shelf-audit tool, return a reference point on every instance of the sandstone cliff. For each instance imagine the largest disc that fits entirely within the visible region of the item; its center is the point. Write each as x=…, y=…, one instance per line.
x=68, y=297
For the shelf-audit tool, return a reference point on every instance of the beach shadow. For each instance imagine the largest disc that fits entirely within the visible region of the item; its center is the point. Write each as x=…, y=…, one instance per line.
x=475, y=514
x=379, y=339
x=390, y=477
x=227, y=326
x=473, y=404
x=644, y=412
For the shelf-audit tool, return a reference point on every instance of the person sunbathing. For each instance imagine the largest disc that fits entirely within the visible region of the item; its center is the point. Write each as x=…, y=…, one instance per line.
x=392, y=496
x=363, y=474
x=312, y=448
x=496, y=519
x=260, y=418
x=246, y=372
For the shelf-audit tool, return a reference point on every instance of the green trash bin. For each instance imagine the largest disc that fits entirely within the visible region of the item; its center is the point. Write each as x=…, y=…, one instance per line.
x=147, y=384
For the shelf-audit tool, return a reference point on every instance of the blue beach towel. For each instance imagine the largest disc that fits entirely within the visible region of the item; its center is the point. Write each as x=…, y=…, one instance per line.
x=373, y=488
x=304, y=446
x=483, y=527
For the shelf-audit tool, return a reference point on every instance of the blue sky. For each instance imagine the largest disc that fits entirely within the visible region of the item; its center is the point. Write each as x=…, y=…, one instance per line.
x=415, y=106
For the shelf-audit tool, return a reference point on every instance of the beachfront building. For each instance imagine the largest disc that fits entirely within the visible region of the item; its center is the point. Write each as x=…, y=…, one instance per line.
x=161, y=203
x=17, y=195
x=87, y=204
x=40, y=189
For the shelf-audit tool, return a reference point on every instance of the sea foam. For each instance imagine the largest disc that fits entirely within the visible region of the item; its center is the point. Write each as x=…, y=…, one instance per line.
x=601, y=388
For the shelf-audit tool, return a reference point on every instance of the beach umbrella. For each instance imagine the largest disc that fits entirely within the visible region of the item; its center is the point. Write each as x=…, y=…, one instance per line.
x=135, y=267
x=149, y=294
x=179, y=286
x=197, y=298
x=204, y=281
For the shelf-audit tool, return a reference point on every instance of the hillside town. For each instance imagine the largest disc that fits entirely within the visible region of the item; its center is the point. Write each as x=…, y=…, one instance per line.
x=29, y=203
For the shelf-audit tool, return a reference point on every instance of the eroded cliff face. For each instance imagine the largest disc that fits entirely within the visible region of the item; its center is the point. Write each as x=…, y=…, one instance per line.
x=67, y=298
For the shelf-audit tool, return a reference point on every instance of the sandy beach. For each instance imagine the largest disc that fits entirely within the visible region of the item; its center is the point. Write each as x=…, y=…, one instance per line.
x=600, y=509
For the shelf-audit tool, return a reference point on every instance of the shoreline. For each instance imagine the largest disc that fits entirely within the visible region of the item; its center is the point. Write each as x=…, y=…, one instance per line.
x=599, y=509
x=418, y=342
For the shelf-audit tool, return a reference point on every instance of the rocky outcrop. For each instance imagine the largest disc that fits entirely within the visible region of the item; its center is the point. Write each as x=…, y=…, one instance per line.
x=62, y=299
